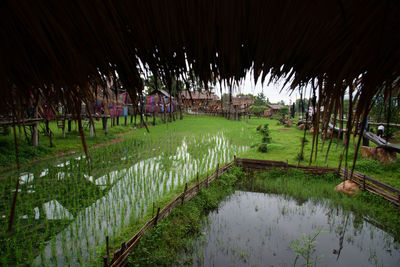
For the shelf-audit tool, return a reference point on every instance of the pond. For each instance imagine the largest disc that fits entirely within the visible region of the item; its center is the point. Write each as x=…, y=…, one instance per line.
x=262, y=229
x=71, y=211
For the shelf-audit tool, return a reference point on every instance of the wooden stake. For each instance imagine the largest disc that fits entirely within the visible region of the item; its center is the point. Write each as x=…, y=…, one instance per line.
x=123, y=247
x=217, y=172
x=364, y=183
x=184, y=193
x=108, y=248
x=14, y=203
x=198, y=184
x=340, y=163
x=156, y=219
x=105, y=260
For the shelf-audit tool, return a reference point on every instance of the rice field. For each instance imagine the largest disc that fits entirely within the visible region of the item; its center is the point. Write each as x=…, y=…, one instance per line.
x=64, y=213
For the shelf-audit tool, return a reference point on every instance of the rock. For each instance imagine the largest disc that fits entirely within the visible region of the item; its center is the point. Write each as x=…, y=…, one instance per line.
x=382, y=154
x=289, y=123
x=327, y=135
x=301, y=127
x=349, y=188
x=311, y=130
x=368, y=152
x=386, y=156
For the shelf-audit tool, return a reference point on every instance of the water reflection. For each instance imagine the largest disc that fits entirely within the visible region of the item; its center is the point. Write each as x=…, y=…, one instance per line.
x=256, y=229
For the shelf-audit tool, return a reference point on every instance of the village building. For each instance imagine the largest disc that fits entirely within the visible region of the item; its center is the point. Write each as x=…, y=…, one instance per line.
x=198, y=101
x=242, y=103
x=274, y=108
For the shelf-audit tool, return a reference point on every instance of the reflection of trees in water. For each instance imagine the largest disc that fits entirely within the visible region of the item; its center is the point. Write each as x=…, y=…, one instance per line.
x=341, y=233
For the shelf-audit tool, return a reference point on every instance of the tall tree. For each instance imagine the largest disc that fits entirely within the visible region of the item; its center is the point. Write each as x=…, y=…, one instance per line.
x=259, y=100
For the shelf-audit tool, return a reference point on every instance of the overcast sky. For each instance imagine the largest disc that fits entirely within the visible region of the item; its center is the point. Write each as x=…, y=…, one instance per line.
x=272, y=91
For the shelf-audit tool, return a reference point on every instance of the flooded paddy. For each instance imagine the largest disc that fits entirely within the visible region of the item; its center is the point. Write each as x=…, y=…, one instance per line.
x=253, y=228
x=64, y=212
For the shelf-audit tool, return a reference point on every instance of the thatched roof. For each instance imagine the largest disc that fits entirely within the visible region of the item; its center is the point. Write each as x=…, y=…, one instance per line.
x=56, y=50
x=196, y=95
x=275, y=106
x=159, y=92
x=243, y=100
x=70, y=43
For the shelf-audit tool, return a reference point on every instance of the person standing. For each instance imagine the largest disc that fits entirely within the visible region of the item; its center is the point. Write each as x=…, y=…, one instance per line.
x=381, y=130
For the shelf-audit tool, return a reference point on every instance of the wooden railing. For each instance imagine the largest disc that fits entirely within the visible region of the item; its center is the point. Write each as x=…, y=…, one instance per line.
x=120, y=256
x=369, y=184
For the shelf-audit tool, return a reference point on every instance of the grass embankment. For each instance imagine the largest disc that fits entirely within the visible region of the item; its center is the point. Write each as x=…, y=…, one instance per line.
x=286, y=145
x=162, y=245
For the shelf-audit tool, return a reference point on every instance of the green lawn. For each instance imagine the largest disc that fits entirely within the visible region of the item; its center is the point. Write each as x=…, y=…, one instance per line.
x=285, y=144
x=71, y=141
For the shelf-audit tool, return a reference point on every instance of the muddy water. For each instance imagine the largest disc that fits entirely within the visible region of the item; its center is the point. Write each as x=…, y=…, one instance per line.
x=130, y=190
x=257, y=229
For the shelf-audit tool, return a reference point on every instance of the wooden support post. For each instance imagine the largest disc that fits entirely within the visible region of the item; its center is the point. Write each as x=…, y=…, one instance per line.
x=117, y=120
x=364, y=182
x=156, y=219
x=35, y=135
x=91, y=128
x=105, y=126
x=154, y=118
x=126, y=119
x=184, y=193
x=63, y=128
x=69, y=125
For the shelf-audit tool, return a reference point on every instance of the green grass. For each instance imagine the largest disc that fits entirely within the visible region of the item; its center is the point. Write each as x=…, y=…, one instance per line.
x=286, y=145
x=76, y=193
x=71, y=141
x=163, y=245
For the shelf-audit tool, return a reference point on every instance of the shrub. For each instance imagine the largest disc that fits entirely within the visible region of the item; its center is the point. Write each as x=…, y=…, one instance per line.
x=263, y=148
